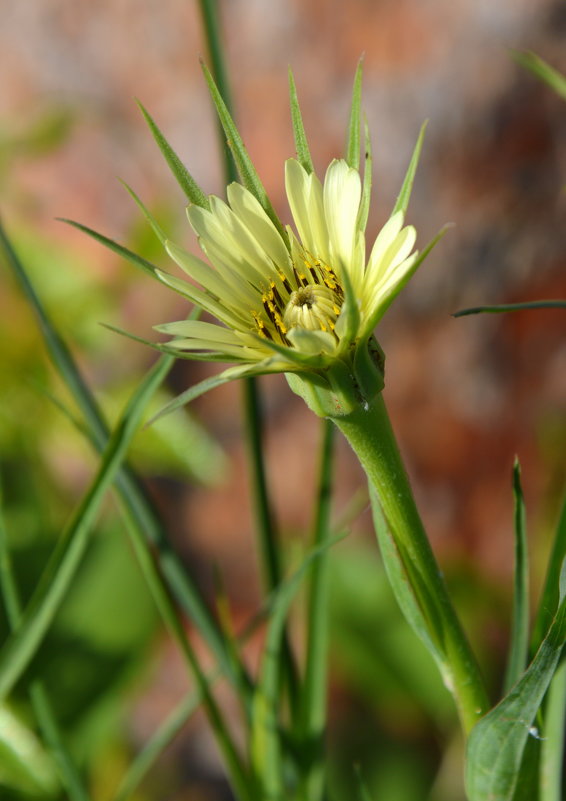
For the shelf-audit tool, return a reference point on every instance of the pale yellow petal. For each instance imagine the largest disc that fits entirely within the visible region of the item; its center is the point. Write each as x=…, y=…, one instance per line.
x=342, y=194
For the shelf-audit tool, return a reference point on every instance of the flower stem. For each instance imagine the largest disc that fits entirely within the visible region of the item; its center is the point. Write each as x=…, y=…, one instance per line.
x=416, y=578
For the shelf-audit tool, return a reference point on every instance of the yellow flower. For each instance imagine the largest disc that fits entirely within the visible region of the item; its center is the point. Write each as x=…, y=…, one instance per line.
x=303, y=299
x=283, y=298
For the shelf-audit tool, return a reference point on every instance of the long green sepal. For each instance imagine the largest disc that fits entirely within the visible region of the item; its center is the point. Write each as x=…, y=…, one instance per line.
x=550, y=596
x=115, y=247
x=510, y=307
x=246, y=169
x=363, y=213
x=519, y=645
x=183, y=177
x=497, y=744
x=405, y=194
x=353, y=143
x=301, y=143
x=61, y=568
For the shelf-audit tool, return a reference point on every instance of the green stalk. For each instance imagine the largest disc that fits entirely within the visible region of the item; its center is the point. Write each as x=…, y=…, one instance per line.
x=211, y=25
x=313, y=705
x=268, y=541
x=369, y=432
x=552, y=744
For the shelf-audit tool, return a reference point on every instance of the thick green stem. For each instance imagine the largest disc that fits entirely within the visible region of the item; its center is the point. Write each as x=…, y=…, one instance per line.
x=369, y=432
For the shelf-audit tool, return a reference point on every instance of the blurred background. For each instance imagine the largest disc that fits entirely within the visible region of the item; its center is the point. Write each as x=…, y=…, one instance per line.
x=465, y=395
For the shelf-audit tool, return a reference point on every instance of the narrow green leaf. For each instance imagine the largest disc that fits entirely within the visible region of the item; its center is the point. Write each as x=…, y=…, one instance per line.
x=552, y=745
x=509, y=307
x=183, y=177
x=246, y=169
x=363, y=794
x=407, y=587
x=115, y=247
x=497, y=743
x=265, y=739
x=366, y=188
x=301, y=143
x=405, y=193
x=61, y=568
x=176, y=627
x=134, y=501
x=160, y=739
x=25, y=764
x=353, y=144
x=315, y=682
x=36, y=763
x=551, y=591
x=519, y=645
x=542, y=70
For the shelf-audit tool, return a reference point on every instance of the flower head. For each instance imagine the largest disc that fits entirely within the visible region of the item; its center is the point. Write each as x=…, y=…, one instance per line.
x=301, y=299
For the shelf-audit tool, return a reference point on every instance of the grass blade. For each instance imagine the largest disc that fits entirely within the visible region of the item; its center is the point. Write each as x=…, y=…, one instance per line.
x=43, y=712
x=176, y=628
x=54, y=583
x=301, y=143
x=550, y=594
x=542, y=70
x=132, y=497
x=246, y=169
x=353, y=142
x=497, y=743
x=509, y=307
x=265, y=739
x=183, y=177
x=405, y=194
x=314, y=693
x=519, y=645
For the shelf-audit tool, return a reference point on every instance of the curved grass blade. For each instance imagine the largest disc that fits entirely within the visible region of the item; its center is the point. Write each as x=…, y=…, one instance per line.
x=301, y=143
x=353, y=143
x=315, y=682
x=519, y=645
x=497, y=744
x=44, y=714
x=170, y=616
x=265, y=739
x=246, y=169
x=54, y=583
x=542, y=70
x=133, y=499
x=405, y=194
x=164, y=735
x=509, y=307
x=550, y=596
x=183, y=177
